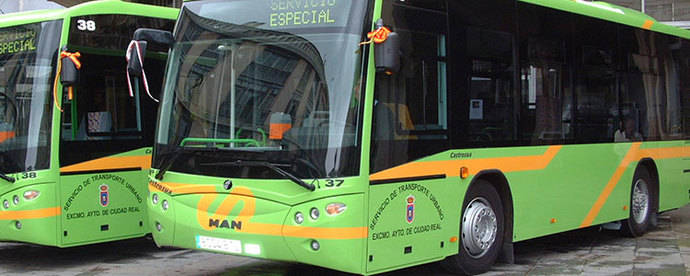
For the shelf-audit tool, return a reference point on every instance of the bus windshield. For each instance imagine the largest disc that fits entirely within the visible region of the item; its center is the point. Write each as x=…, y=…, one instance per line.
x=248, y=81
x=27, y=65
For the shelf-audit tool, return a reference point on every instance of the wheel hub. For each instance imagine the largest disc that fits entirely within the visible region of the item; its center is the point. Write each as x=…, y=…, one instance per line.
x=479, y=227
x=640, y=201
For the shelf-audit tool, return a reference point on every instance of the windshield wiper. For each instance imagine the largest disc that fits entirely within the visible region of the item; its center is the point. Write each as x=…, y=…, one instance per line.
x=265, y=164
x=168, y=164
x=7, y=178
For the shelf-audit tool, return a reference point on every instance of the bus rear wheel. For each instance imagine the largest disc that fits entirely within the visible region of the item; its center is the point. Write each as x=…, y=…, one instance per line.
x=641, y=204
x=481, y=231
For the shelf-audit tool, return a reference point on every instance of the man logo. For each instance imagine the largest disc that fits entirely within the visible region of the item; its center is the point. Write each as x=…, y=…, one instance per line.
x=409, y=214
x=233, y=224
x=104, y=195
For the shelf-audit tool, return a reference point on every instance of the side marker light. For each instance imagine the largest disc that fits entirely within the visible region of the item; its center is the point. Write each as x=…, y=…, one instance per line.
x=31, y=194
x=336, y=208
x=464, y=172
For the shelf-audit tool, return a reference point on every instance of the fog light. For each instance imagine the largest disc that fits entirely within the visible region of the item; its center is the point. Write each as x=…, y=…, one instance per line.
x=18, y=224
x=6, y=204
x=299, y=218
x=159, y=227
x=15, y=199
x=335, y=208
x=314, y=213
x=165, y=205
x=253, y=249
x=31, y=194
x=154, y=199
x=315, y=245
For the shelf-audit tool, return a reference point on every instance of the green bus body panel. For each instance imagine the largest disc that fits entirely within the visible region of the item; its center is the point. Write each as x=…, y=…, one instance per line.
x=552, y=199
x=45, y=220
x=261, y=212
x=87, y=218
x=426, y=233
x=70, y=213
x=622, y=15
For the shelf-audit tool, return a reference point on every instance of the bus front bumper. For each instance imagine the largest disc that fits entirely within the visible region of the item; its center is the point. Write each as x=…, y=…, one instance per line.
x=253, y=227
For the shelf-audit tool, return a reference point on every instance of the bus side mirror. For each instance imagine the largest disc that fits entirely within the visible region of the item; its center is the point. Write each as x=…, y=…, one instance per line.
x=69, y=73
x=134, y=64
x=137, y=48
x=155, y=36
x=387, y=54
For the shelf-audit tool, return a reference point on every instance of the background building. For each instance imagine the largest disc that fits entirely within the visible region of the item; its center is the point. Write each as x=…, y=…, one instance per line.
x=674, y=12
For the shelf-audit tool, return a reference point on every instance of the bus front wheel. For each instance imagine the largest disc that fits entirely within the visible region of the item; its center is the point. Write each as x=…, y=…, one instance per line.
x=481, y=231
x=642, y=196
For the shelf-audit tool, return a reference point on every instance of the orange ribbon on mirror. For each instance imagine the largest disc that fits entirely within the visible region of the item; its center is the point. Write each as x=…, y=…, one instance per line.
x=378, y=36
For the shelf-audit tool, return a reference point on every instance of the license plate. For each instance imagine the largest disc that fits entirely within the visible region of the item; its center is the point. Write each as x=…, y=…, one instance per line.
x=218, y=244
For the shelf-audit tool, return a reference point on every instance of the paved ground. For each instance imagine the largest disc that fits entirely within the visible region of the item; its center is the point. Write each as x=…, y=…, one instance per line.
x=664, y=251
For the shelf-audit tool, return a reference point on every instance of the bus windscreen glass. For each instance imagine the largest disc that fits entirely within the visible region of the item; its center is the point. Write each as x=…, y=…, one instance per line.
x=28, y=54
x=249, y=84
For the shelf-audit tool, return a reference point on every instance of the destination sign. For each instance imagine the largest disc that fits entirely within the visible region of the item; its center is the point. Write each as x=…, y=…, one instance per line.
x=288, y=13
x=278, y=14
x=17, y=40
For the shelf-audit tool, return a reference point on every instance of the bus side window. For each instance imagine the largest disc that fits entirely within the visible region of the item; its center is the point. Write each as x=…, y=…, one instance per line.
x=411, y=106
x=546, y=94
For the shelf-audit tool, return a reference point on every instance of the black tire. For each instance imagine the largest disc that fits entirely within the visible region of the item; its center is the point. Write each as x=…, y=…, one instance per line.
x=465, y=262
x=639, y=218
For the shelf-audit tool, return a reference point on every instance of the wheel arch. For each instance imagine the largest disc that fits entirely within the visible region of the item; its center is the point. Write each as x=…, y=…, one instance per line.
x=499, y=181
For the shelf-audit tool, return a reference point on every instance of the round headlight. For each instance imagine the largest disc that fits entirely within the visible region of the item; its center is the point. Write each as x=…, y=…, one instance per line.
x=165, y=205
x=15, y=199
x=315, y=245
x=6, y=204
x=18, y=224
x=314, y=213
x=299, y=218
x=159, y=227
x=154, y=199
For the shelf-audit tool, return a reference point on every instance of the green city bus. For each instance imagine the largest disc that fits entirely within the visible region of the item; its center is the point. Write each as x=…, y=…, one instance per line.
x=74, y=164
x=368, y=136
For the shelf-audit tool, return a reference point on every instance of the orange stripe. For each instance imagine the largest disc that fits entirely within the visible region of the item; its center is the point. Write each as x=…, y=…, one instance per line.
x=333, y=233
x=634, y=154
x=226, y=207
x=647, y=24
x=112, y=162
x=202, y=206
x=617, y=174
x=30, y=214
x=179, y=188
x=452, y=167
x=664, y=153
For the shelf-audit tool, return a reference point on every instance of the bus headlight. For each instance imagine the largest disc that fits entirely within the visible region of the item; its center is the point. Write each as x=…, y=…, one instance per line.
x=15, y=199
x=315, y=245
x=154, y=199
x=6, y=204
x=165, y=205
x=314, y=213
x=31, y=194
x=335, y=209
x=299, y=218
